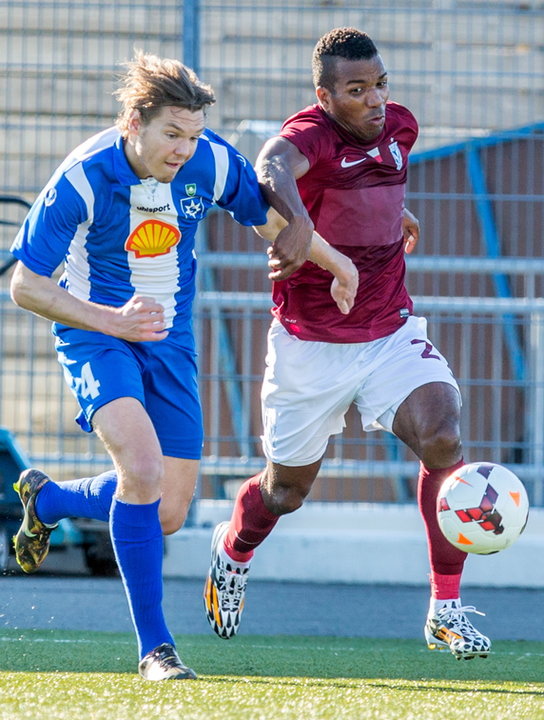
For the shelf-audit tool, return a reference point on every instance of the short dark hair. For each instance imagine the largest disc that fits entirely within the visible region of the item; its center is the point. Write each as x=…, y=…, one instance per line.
x=151, y=83
x=343, y=42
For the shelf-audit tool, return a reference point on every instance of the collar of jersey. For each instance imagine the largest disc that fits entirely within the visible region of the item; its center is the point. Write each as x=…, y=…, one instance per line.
x=125, y=174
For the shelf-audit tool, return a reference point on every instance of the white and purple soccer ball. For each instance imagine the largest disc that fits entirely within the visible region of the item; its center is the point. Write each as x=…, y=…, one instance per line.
x=482, y=508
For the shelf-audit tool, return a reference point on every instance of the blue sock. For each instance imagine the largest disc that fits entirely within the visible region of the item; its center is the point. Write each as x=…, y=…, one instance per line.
x=86, y=497
x=137, y=540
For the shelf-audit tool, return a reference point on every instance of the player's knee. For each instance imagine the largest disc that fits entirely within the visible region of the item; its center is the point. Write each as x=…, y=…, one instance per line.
x=284, y=489
x=285, y=499
x=441, y=447
x=172, y=519
x=170, y=525
x=144, y=473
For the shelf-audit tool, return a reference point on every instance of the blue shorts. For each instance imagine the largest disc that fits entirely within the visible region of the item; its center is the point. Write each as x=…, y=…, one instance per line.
x=161, y=375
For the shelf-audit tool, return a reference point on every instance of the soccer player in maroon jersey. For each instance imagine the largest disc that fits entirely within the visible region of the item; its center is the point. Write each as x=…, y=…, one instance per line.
x=340, y=166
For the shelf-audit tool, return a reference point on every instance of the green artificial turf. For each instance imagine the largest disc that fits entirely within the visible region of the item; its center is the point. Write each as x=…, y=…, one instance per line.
x=58, y=675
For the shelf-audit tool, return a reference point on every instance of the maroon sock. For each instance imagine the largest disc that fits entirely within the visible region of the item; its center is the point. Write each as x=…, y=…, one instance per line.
x=251, y=521
x=445, y=559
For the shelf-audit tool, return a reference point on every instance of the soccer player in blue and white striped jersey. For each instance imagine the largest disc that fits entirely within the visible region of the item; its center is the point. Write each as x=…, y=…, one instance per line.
x=120, y=214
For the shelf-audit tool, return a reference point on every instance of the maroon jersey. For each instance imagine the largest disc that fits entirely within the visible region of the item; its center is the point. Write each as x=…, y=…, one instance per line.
x=354, y=193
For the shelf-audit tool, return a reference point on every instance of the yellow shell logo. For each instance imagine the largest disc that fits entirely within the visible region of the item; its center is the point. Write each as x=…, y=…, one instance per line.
x=152, y=238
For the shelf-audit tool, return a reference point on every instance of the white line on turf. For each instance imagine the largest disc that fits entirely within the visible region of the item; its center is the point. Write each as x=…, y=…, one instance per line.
x=253, y=646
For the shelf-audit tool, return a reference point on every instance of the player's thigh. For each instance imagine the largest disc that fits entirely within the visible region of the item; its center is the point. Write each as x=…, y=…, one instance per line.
x=128, y=435
x=126, y=429
x=172, y=400
x=428, y=422
x=178, y=487
x=407, y=360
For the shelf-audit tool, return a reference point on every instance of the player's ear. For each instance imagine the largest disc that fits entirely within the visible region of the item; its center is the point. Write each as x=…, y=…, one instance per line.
x=134, y=121
x=323, y=96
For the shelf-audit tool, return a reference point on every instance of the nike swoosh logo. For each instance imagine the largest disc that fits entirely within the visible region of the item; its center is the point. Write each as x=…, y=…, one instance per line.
x=345, y=163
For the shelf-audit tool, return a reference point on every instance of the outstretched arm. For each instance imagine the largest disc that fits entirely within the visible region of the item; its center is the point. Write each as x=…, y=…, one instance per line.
x=346, y=278
x=140, y=319
x=278, y=167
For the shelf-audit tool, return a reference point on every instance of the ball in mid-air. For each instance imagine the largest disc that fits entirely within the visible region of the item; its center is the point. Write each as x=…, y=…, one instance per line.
x=482, y=508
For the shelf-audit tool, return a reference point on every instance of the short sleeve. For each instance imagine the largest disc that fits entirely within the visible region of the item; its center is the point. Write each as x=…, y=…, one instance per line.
x=242, y=197
x=307, y=134
x=51, y=224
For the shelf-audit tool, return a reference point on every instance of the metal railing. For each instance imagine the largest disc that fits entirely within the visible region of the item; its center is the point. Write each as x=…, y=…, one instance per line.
x=502, y=413
x=471, y=75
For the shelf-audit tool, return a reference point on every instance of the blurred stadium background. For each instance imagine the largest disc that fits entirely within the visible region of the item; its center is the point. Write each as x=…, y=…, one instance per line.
x=473, y=74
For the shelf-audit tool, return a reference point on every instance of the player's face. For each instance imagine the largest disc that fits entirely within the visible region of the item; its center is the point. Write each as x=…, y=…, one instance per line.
x=358, y=100
x=161, y=147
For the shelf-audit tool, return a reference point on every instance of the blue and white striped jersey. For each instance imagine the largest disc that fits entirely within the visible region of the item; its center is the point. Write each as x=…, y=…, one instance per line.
x=119, y=235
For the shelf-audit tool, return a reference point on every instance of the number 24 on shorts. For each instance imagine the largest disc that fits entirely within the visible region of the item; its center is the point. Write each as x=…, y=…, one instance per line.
x=86, y=385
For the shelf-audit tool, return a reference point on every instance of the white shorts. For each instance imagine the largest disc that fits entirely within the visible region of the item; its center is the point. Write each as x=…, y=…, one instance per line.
x=309, y=386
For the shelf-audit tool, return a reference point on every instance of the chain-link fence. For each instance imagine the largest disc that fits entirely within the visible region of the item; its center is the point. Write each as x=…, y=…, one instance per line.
x=470, y=72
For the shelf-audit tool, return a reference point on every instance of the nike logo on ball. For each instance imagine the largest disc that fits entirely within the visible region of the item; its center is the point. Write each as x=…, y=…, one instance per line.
x=345, y=163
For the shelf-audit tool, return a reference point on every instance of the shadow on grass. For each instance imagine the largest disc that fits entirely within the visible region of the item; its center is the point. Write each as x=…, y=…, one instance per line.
x=259, y=657
x=421, y=686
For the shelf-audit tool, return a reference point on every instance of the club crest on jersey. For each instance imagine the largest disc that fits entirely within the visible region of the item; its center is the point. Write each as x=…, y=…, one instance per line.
x=396, y=154
x=50, y=196
x=190, y=189
x=375, y=153
x=152, y=238
x=192, y=208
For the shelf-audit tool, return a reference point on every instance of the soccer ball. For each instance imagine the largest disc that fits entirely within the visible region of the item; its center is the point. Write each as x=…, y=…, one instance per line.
x=482, y=508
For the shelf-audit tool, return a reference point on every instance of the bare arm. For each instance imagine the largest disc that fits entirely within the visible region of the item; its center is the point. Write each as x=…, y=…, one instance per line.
x=346, y=278
x=140, y=319
x=410, y=230
x=278, y=166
